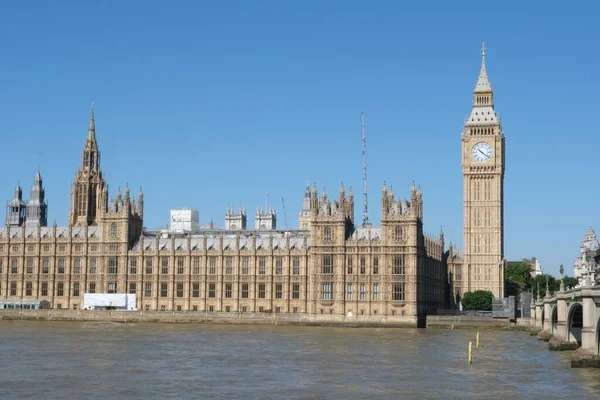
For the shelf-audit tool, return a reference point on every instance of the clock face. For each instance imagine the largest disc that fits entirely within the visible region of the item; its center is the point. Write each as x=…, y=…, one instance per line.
x=482, y=152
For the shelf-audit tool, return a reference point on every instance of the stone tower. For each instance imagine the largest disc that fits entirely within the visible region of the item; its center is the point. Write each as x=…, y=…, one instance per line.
x=15, y=209
x=89, y=184
x=235, y=221
x=304, y=218
x=483, y=186
x=37, y=209
x=265, y=219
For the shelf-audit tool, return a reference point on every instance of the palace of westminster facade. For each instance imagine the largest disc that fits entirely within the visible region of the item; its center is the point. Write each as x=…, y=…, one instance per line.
x=328, y=266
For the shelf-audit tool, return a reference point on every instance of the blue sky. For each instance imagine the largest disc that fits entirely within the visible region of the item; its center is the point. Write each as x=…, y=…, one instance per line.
x=207, y=104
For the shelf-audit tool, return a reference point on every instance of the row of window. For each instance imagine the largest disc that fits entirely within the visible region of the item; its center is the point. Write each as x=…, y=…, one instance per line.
x=398, y=291
x=112, y=267
x=61, y=248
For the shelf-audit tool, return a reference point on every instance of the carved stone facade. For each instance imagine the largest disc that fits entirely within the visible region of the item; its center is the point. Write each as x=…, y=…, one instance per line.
x=332, y=267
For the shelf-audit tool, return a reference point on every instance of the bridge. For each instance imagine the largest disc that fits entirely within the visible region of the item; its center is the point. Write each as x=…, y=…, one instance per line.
x=572, y=319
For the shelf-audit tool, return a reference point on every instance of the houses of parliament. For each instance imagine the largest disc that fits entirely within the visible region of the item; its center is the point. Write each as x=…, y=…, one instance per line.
x=330, y=265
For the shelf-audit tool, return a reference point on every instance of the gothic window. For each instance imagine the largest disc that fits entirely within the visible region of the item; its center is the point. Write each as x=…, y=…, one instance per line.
x=113, y=230
x=60, y=289
x=398, y=233
x=228, y=265
x=398, y=293
x=327, y=291
x=92, y=287
x=111, y=287
x=112, y=265
x=61, y=265
x=375, y=265
x=212, y=265
x=164, y=289
x=349, y=296
x=212, y=289
x=296, y=265
x=228, y=290
x=196, y=290
x=196, y=265
x=148, y=289
x=349, y=265
x=363, y=291
x=261, y=265
x=375, y=291
x=278, y=265
x=30, y=265
x=327, y=264
x=245, y=266
x=279, y=291
x=261, y=291
x=45, y=288
x=75, y=289
x=179, y=289
x=132, y=287
x=398, y=268
x=28, y=288
x=295, y=290
x=327, y=234
x=363, y=265
x=93, y=265
x=76, y=265
x=244, y=290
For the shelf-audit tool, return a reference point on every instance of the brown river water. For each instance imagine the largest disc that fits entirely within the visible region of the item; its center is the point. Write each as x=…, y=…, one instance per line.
x=89, y=360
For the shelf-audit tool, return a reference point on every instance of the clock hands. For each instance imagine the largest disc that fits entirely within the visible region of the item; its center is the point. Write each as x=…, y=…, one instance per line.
x=479, y=150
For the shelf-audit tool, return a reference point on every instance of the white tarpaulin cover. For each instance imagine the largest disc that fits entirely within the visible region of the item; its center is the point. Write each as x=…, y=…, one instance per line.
x=92, y=301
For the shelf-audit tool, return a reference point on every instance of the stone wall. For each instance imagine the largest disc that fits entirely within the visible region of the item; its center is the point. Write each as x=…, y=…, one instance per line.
x=208, y=317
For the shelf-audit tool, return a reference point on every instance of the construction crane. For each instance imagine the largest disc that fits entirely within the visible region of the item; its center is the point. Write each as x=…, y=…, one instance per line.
x=284, y=213
x=364, y=170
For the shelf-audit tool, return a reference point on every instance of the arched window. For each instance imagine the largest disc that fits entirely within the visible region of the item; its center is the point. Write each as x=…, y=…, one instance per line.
x=398, y=233
x=327, y=234
x=113, y=230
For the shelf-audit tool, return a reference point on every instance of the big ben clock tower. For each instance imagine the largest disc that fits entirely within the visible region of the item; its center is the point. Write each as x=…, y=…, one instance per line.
x=483, y=177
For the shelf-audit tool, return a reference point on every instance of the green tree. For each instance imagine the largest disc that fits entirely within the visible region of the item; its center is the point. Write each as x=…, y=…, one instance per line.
x=517, y=278
x=480, y=300
x=570, y=282
x=553, y=284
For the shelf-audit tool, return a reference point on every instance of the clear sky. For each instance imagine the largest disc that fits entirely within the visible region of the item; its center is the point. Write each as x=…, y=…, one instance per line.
x=207, y=104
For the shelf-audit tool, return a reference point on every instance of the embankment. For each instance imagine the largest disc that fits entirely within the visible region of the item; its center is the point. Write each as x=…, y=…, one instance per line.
x=195, y=317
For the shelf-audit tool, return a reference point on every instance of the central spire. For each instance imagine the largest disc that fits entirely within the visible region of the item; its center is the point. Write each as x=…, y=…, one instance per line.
x=92, y=127
x=483, y=84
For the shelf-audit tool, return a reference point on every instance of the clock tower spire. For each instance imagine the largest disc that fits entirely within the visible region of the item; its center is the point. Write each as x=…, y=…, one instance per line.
x=483, y=192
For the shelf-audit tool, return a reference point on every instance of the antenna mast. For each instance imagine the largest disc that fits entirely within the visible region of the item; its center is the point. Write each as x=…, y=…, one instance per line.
x=364, y=170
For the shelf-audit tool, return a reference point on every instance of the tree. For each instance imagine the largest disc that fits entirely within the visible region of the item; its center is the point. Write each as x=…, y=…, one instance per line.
x=517, y=278
x=480, y=300
x=541, y=280
x=570, y=282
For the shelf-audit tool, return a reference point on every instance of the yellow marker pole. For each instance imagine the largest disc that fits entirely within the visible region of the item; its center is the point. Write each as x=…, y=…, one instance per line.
x=477, y=342
x=452, y=327
x=470, y=353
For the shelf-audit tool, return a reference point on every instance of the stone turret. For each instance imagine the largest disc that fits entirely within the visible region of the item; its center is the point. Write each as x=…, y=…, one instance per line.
x=16, y=209
x=37, y=209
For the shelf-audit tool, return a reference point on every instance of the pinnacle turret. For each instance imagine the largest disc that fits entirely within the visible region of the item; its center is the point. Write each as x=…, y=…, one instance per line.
x=483, y=84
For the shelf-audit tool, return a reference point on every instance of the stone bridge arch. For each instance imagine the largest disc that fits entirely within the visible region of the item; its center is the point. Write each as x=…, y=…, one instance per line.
x=574, y=322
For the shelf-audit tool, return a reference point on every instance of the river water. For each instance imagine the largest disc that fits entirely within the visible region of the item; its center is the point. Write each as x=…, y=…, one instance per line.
x=71, y=360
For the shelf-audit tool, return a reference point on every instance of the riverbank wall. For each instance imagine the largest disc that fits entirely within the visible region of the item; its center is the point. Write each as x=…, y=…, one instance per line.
x=475, y=322
x=195, y=317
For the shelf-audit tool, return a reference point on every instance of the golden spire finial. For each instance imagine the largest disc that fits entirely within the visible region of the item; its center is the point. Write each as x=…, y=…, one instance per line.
x=483, y=49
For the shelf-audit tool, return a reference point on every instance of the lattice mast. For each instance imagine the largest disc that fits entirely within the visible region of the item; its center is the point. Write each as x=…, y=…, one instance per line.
x=365, y=222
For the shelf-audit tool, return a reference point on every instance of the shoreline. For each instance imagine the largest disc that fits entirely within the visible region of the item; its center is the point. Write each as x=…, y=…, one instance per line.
x=200, y=317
